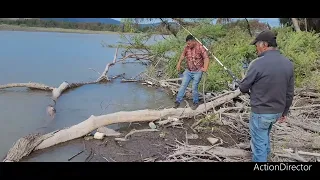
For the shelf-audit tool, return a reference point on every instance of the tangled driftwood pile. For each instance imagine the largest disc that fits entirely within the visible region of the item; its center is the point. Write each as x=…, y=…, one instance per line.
x=297, y=139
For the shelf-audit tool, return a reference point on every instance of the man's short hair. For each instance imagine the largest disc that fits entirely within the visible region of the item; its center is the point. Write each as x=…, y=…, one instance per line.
x=189, y=37
x=266, y=36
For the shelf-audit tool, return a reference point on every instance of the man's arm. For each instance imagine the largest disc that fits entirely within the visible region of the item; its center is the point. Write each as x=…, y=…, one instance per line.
x=290, y=94
x=182, y=56
x=249, y=79
x=205, y=57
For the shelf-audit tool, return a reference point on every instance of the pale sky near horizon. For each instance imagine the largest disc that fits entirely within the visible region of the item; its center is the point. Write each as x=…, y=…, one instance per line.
x=271, y=21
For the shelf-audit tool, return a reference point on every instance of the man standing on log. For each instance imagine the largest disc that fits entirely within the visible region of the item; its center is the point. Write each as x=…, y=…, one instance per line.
x=270, y=79
x=197, y=63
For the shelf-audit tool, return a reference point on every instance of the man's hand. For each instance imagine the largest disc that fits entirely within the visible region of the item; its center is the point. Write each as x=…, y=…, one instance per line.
x=178, y=67
x=282, y=119
x=204, y=70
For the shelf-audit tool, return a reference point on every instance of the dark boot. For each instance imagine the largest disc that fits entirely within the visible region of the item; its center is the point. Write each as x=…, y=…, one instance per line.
x=176, y=105
x=195, y=106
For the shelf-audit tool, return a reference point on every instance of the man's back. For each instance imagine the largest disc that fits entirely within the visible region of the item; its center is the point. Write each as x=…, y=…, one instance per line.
x=270, y=80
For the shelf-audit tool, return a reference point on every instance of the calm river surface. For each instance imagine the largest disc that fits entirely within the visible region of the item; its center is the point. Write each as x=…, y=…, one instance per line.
x=51, y=58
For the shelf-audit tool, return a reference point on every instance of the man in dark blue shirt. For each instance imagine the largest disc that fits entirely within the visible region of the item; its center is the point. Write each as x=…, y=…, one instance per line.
x=270, y=80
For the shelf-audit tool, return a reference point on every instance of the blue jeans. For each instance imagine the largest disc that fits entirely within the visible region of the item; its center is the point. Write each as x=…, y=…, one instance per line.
x=260, y=126
x=187, y=77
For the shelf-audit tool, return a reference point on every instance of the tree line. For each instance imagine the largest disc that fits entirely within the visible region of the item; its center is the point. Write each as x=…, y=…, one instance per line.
x=76, y=25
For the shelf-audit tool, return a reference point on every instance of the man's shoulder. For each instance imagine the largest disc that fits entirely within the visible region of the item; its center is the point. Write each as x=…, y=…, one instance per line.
x=200, y=47
x=254, y=62
x=287, y=60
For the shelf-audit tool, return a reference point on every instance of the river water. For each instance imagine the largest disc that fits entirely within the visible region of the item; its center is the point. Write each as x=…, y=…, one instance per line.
x=51, y=58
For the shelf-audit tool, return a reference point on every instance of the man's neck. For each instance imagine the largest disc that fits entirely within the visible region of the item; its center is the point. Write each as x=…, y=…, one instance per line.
x=267, y=50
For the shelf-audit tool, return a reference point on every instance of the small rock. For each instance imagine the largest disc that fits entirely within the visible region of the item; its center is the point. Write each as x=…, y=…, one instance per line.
x=98, y=135
x=244, y=145
x=238, y=104
x=149, y=82
x=87, y=138
x=173, y=119
x=162, y=134
x=143, y=83
x=152, y=125
x=108, y=132
x=149, y=86
x=212, y=140
x=316, y=143
x=192, y=136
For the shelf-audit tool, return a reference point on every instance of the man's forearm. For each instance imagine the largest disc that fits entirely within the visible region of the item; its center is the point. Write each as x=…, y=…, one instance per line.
x=289, y=96
x=179, y=62
x=286, y=110
x=206, y=63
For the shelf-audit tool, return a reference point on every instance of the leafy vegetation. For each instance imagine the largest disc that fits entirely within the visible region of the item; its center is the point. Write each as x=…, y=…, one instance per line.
x=230, y=44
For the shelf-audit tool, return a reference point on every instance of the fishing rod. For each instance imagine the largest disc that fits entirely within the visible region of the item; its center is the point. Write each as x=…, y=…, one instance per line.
x=229, y=72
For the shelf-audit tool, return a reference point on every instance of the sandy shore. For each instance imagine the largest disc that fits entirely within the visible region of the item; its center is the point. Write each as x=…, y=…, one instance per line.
x=6, y=27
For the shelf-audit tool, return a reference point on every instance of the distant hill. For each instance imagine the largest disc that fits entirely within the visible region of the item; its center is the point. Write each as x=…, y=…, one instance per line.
x=85, y=20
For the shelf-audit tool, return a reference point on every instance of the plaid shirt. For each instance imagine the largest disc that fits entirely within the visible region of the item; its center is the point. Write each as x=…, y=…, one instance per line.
x=195, y=57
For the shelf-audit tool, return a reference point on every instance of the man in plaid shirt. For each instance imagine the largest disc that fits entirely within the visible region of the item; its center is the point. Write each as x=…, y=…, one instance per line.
x=197, y=62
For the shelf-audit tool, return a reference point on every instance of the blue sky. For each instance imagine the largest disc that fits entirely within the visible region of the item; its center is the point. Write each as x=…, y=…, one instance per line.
x=271, y=21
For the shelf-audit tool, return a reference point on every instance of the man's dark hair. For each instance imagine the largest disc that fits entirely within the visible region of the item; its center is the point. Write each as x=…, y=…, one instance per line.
x=272, y=43
x=189, y=37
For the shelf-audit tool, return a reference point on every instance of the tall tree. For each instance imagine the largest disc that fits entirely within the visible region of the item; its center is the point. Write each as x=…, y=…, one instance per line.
x=296, y=24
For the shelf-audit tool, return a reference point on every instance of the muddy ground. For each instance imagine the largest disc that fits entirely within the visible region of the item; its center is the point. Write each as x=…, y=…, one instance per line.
x=150, y=145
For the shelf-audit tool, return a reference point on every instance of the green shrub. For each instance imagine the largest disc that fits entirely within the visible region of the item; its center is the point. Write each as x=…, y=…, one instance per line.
x=303, y=48
x=230, y=50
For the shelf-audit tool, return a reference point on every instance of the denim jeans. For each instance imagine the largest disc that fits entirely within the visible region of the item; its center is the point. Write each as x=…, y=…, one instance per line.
x=260, y=126
x=187, y=77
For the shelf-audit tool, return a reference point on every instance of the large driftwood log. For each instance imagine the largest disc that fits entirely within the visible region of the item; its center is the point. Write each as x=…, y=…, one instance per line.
x=23, y=148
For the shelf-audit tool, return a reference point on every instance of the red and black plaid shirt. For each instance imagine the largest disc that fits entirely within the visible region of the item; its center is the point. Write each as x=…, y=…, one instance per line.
x=195, y=57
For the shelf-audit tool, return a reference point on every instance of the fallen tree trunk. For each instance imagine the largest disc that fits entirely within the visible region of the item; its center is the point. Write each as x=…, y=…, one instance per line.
x=23, y=148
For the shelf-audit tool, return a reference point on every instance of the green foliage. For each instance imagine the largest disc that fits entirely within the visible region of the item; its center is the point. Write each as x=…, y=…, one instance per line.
x=303, y=48
x=230, y=50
